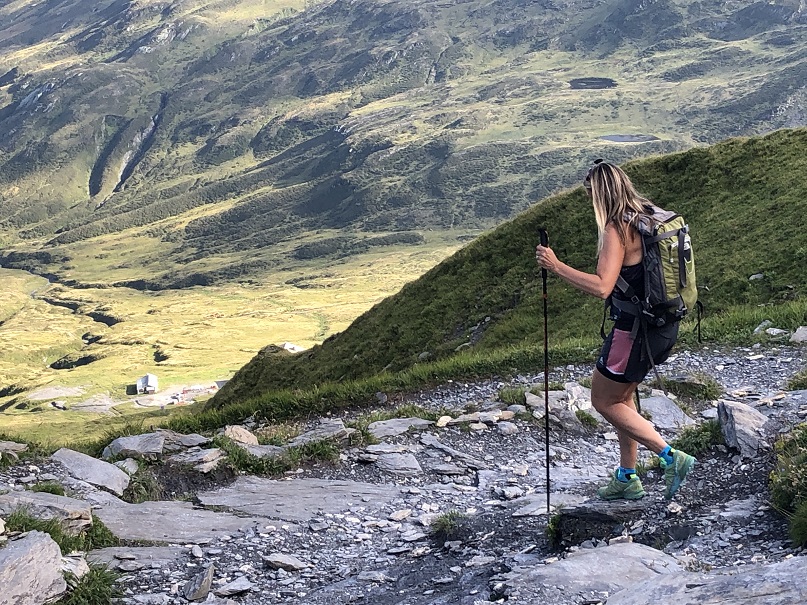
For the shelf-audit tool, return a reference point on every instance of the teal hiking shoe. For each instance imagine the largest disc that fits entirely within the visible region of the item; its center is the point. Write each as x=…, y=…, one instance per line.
x=616, y=489
x=676, y=473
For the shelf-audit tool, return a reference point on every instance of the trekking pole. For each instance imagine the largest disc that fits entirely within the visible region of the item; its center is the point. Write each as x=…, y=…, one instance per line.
x=545, y=242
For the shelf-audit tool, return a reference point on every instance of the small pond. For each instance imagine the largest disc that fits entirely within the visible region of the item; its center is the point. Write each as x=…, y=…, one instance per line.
x=592, y=83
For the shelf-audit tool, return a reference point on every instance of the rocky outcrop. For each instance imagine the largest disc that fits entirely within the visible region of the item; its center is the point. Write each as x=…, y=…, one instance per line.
x=93, y=471
x=775, y=584
x=74, y=515
x=742, y=427
x=31, y=571
x=147, y=446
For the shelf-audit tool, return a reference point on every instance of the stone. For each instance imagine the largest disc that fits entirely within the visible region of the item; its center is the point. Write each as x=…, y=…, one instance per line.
x=74, y=515
x=507, y=428
x=237, y=586
x=169, y=522
x=448, y=470
x=285, y=562
x=240, y=435
x=12, y=447
x=202, y=460
x=198, y=587
x=742, y=427
x=400, y=515
x=556, y=398
x=159, y=598
x=299, y=500
x=264, y=451
x=490, y=417
x=31, y=570
x=800, y=335
x=761, y=327
x=148, y=446
x=776, y=332
x=388, y=448
x=75, y=565
x=443, y=421
x=775, y=584
x=129, y=466
x=432, y=441
x=606, y=569
x=175, y=442
x=534, y=505
x=665, y=413
x=93, y=471
x=399, y=464
x=328, y=429
x=2, y=527
x=144, y=556
x=396, y=426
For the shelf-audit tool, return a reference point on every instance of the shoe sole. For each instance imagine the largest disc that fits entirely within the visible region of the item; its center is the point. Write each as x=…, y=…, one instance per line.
x=612, y=498
x=680, y=477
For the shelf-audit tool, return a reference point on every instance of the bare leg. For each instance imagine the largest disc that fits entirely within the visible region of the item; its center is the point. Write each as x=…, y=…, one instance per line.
x=614, y=400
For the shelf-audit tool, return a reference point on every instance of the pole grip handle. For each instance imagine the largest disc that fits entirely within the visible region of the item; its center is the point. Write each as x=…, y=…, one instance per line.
x=544, y=238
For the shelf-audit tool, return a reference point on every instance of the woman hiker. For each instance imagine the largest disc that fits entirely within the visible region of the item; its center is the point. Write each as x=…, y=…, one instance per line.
x=622, y=364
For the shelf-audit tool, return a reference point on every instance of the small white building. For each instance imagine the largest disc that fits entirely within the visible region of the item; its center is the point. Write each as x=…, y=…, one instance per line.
x=147, y=385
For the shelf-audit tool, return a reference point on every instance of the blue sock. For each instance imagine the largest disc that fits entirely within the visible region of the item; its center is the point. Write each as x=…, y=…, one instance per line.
x=666, y=455
x=625, y=474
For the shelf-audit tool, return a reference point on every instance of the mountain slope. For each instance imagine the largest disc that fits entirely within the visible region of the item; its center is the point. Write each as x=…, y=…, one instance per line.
x=228, y=127
x=743, y=200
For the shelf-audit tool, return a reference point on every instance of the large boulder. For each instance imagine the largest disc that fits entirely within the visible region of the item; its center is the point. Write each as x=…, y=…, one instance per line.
x=601, y=571
x=93, y=471
x=74, y=515
x=665, y=413
x=31, y=571
x=776, y=584
x=147, y=446
x=800, y=335
x=742, y=427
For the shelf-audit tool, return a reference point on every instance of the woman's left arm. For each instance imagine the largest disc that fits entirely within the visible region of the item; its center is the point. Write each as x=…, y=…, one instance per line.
x=599, y=284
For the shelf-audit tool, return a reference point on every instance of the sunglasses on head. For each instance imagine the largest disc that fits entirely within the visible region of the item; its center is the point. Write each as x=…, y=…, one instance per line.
x=587, y=180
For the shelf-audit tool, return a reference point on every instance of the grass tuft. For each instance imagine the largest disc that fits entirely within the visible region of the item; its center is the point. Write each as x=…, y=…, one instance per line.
x=50, y=487
x=788, y=480
x=696, y=387
x=97, y=587
x=695, y=440
x=513, y=395
x=586, y=419
x=449, y=526
x=798, y=382
x=97, y=536
x=798, y=525
x=143, y=486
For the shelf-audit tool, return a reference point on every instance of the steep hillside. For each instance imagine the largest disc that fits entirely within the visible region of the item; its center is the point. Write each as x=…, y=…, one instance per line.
x=744, y=200
x=227, y=127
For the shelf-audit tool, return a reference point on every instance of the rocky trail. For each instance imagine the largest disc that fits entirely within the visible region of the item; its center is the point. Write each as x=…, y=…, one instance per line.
x=442, y=512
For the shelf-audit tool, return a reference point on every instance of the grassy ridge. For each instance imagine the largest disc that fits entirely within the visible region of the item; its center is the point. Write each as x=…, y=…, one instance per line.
x=742, y=198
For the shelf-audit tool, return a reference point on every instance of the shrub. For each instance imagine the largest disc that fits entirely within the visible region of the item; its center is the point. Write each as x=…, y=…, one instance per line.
x=788, y=478
x=695, y=440
x=448, y=526
x=98, y=587
x=798, y=382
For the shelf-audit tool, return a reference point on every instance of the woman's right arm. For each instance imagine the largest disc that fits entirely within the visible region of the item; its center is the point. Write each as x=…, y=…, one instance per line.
x=602, y=282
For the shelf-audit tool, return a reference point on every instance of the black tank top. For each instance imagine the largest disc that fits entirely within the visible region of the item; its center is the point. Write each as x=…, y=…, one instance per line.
x=634, y=275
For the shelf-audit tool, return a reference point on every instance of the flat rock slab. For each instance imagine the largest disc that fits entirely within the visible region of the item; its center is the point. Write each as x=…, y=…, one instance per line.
x=598, y=519
x=776, y=584
x=534, y=505
x=328, y=429
x=74, y=515
x=95, y=472
x=170, y=522
x=134, y=558
x=665, y=413
x=396, y=426
x=148, y=445
x=606, y=569
x=297, y=500
x=399, y=464
x=31, y=570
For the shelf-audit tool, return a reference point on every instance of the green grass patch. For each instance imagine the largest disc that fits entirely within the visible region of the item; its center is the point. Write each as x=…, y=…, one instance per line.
x=788, y=479
x=50, y=487
x=98, y=587
x=449, y=526
x=586, y=419
x=698, y=386
x=798, y=525
x=695, y=440
x=143, y=486
x=513, y=395
x=97, y=536
x=798, y=382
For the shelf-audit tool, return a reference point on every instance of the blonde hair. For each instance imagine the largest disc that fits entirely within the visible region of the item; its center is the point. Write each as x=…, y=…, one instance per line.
x=615, y=200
